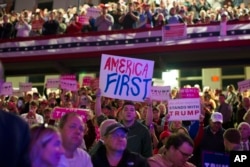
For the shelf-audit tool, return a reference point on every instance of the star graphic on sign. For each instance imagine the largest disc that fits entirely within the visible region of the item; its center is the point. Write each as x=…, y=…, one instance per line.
x=147, y=40
x=25, y=49
x=69, y=45
x=9, y=50
x=97, y=44
x=17, y=49
x=34, y=48
x=244, y=31
x=200, y=35
x=232, y=32
x=42, y=47
x=126, y=41
x=60, y=46
x=210, y=34
x=87, y=44
x=157, y=39
x=78, y=44
x=136, y=40
x=107, y=43
x=116, y=42
x=51, y=47
x=189, y=36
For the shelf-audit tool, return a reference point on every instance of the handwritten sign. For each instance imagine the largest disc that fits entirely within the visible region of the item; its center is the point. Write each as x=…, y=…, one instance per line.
x=86, y=81
x=125, y=78
x=69, y=85
x=160, y=93
x=93, y=12
x=6, y=88
x=244, y=85
x=58, y=112
x=189, y=93
x=184, y=109
x=25, y=87
x=53, y=83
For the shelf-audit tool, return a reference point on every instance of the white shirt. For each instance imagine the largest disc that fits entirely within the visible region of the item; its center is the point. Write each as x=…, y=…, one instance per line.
x=81, y=159
x=39, y=119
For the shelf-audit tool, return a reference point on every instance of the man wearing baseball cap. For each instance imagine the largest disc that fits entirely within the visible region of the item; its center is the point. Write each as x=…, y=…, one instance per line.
x=211, y=138
x=113, y=151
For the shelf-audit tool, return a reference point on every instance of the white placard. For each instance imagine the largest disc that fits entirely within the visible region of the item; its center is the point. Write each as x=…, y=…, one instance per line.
x=53, y=83
x=160, y=93
x=25, y=87
x=244, y=85
x=7, y=88
x=68, y=84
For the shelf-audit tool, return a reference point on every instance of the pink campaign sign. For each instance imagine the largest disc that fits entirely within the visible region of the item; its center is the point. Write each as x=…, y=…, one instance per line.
x=58, y=112
x=189, y=93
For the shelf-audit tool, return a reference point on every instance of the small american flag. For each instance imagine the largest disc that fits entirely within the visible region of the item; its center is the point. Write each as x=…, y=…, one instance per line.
x=174, y=31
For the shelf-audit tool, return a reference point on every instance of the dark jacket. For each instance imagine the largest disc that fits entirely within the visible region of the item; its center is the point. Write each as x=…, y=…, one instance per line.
x=14, y=141
x=129, y=159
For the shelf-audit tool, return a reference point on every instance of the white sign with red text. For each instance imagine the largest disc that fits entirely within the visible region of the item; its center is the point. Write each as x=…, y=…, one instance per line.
x=244, y=85
x=86, y=81
x=25, y=87
x=6, y=88
x=125, y=78
x=189, y=93
x=160, y=93
x=69, y=84
x=184, y=109
x=53, y=83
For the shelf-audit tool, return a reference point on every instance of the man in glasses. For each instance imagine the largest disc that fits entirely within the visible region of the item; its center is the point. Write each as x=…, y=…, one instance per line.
x=113, y=152
x=179, y=149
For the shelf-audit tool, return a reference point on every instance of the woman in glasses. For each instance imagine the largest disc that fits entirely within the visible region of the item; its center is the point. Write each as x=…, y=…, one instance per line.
x=45, y=146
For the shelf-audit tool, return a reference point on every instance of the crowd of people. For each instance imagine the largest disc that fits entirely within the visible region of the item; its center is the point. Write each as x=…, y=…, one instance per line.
x=118, y=16
x=119, y=133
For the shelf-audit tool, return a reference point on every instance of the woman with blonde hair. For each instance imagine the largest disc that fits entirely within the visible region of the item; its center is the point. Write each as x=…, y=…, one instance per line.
x=45, y=146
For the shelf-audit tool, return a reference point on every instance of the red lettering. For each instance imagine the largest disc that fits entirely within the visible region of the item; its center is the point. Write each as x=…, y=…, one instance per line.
x=137, y=70
x=121, y=67
x=177, y=113
x=129, y=69
x=197, y=112
x=145, y=70
x=114, y=64
x=190, y=112
x=107, y=64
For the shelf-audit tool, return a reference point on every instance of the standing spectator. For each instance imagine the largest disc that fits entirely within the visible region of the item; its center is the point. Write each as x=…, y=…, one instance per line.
x=6, y=28
x=210, y=138
x=37, y=24
x=72, y=130
x=23, y=27
x=242, y=110
x=232, y=139
x=32, y=117
x=51, y=26
x=129, y=19
x=105, y=21
x=45, y=146
x=74, y=26
x=14, y=137
x=179, y=148
x=226, y=110
x=244, y=129
x=114, y=152
x=173, y=17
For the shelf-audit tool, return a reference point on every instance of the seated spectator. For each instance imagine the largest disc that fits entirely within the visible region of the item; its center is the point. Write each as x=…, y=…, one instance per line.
x=114, y=152
x=45, y=146
x=179, y=148
x=173, y=17
x=72, y=130
x=51, y=26
x=32, y=117
x=232, y=140
x=244, y=129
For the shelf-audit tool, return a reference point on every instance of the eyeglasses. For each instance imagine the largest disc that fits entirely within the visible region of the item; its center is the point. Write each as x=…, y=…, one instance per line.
x=188, y=156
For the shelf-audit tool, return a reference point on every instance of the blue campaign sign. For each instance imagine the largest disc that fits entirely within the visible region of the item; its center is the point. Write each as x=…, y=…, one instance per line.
x=212, y=159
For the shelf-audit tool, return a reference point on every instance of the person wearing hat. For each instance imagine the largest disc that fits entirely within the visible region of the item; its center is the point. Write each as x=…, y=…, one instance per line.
x=113, y=152
x=209, y=138
x=105, y=21
x=32, y=117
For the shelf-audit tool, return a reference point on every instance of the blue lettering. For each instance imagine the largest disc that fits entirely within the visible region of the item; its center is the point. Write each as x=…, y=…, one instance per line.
x=125, y=80
x=136, y=85
x=117, y=84
x=110, y=81
x=146, y=85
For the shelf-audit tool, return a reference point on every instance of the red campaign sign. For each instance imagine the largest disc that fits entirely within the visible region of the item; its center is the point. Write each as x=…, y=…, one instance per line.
x=68, y=77
x=95, y=83
x=189, y=93
x=86, y=81
x=58, y=112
